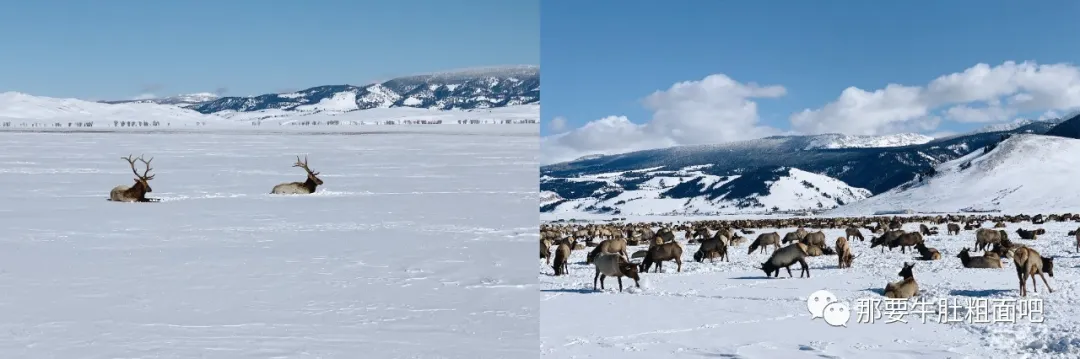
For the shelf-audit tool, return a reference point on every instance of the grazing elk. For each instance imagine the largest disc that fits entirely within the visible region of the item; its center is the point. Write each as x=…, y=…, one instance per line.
x=784, y=258
x=306, y=187
x=953, y=228
x=562, y=257
x=614, y=265
x=138, y=191
x=853, y=232
x=1029, y=263
x=905, y=288
x=711, y=248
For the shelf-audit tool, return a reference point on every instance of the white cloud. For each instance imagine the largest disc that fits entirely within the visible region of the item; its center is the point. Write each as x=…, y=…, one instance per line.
x=712, y=110
x=998, y=94
x=145, y=96
x=718, y=109
x=558, y=124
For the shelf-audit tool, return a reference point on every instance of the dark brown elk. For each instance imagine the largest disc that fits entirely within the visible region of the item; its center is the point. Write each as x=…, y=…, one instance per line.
x=927, y=253
x=138, y=191
x=306, y=187
x=953, y=229
x=906, y=240
x=710, y=249
x=1026, y=234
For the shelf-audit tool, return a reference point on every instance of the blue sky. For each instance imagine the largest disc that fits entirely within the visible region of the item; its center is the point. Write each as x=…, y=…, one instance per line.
x=118, y=49
x=602, y=57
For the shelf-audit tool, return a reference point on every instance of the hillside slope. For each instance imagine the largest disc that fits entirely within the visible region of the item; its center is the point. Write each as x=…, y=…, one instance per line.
x=1026, y=173
x=692, y=191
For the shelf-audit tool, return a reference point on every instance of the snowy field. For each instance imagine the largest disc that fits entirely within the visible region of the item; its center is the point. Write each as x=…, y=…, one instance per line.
x=730, y=310
x=412, y=248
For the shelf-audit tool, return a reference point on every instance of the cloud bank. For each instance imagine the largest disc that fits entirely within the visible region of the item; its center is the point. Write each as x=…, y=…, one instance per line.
x=719, y=109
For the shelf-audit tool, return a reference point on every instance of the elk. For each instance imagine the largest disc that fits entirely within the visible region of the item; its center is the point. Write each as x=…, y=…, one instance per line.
x=1029, y=263
x=138, y=191
x=305, y=187
x=905, y=288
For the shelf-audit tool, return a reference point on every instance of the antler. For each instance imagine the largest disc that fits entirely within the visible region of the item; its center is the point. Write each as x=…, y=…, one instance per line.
x=131, y=162
x=304, y=165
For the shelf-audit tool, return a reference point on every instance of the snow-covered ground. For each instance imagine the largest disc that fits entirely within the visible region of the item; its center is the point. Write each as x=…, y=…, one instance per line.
x=19, y=111
x=730, y=310
x=1024, y=174
x=413, y=247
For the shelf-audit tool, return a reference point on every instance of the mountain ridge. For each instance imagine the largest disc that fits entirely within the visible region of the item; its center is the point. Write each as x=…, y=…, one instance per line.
x=876, y=169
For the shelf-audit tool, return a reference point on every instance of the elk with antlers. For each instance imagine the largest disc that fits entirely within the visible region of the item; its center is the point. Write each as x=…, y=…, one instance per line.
x=305, y=187
x=138, y=191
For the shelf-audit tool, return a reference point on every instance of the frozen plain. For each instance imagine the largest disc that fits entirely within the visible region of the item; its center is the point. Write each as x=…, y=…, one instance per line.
x=730, y=310
x=412, y=248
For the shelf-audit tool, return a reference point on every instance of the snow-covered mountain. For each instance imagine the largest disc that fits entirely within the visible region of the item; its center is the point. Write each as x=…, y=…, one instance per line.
x=835, y=140
x=588, y=184
x=185, y=101
x=469, y=89
x=17, y=107
x=691, y=191
x=1025, y=173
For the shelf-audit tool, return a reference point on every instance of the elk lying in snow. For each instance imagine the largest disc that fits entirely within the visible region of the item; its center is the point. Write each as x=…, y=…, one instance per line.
x=1026, y=234
x=905, y=288
x=609, y=246
x=853, y=232
x=924, y=230
x=987, y=260
x=562, y=255
x=138, y=191
x=763, y=240
x=664, y=252
x=305, y=187
x=737, y=240
x=784, y=258
x=953, y=228
x=639, y=254
x=927, y=253
x=1028, y=264
x=614, y=265
x=710, y=249
x=843, y=253
x=985, y=237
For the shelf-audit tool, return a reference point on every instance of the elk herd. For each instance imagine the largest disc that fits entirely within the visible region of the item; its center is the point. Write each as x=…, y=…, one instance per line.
x=610, y=242
x=137, y=192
